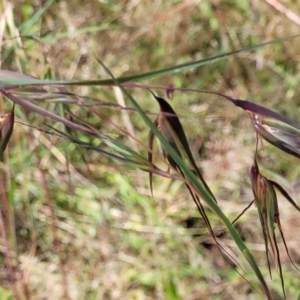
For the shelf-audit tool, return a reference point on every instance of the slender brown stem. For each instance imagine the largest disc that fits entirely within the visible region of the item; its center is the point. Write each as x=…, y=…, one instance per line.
x=242, y=212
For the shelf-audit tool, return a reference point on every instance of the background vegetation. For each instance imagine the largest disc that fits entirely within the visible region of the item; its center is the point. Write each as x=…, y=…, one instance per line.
x=84, y=226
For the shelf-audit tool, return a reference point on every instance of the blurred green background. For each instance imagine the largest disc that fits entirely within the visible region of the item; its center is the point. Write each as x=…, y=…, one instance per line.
x=112, y=240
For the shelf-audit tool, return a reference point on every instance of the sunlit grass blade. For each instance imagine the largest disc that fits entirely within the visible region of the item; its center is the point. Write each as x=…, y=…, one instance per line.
x=27, y=26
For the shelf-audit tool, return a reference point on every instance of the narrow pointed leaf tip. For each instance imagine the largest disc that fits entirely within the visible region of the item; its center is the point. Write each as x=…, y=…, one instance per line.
x=6, y=129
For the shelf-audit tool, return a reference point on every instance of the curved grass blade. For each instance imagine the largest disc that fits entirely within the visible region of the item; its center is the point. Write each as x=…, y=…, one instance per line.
x=191, y=177
x=34, y=94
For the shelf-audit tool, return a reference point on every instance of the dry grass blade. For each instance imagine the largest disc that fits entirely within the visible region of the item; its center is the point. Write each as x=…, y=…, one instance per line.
x=236, y=219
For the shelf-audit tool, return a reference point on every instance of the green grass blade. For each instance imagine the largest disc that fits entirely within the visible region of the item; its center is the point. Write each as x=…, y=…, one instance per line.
x=189, y=175
x=27, y=26
x=143, y=76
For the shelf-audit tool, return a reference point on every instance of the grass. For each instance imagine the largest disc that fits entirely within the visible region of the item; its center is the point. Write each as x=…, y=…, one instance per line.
x=84, y=219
